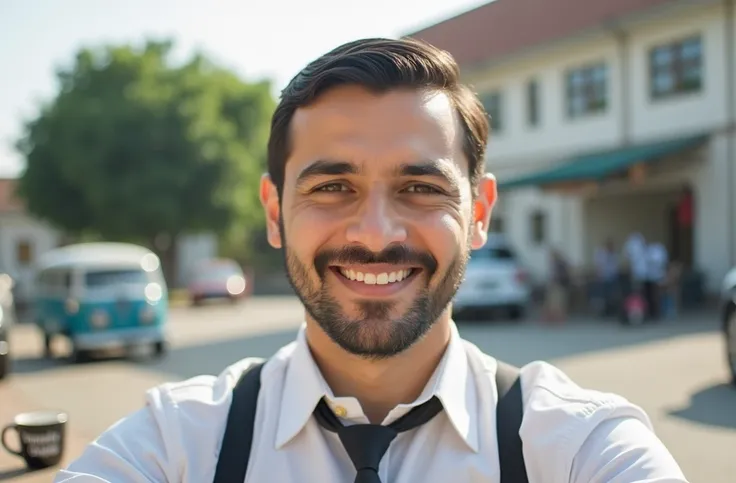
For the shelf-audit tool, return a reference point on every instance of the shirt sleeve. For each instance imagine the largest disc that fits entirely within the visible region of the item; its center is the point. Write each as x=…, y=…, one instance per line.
x=130, y=451
x=624, y=450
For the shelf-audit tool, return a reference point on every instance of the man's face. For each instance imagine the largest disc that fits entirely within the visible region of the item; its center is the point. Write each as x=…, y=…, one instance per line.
x=377, y=217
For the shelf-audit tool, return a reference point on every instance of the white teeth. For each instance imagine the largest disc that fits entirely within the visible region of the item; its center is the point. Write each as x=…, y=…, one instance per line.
x=376, y=278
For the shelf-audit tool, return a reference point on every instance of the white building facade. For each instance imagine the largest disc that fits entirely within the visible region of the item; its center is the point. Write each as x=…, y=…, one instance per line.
x=597, y=134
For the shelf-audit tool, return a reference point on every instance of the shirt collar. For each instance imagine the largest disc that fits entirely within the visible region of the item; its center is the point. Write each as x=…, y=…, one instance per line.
x=451, y=382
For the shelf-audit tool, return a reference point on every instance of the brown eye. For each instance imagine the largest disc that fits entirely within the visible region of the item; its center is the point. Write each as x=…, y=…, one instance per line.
x=331, y=188
x=423, y=189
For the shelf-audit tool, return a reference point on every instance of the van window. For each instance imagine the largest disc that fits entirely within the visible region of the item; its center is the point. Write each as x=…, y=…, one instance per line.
x=56, y=279
x=105, y=278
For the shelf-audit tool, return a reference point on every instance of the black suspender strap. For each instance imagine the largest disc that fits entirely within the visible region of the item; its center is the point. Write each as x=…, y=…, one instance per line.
x=232, y=463
x=509, y=413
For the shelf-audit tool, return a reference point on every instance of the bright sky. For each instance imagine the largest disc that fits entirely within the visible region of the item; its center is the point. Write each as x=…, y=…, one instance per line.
x=270, y=38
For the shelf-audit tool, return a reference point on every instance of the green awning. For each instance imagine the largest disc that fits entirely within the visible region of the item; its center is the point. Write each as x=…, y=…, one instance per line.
x=603, y=164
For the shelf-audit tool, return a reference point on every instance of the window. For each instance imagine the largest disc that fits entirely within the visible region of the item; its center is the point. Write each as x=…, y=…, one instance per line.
x=106, y=278
x=492, y=104
x=24, y=252
x=538, y=227
x=587, y=90
x=532, y=103
x=55, y=279
x=676, y=68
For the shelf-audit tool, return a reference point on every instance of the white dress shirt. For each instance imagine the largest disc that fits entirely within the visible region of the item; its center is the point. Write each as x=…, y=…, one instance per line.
x=569, y=434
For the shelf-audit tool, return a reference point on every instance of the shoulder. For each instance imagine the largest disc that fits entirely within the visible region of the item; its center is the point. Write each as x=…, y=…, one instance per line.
x=199, y=406
x=561, y=418
x=204, y=390
x=551, y=394
x=176, y=432
x=553, y=400
x=214, y=391
x=588, y=434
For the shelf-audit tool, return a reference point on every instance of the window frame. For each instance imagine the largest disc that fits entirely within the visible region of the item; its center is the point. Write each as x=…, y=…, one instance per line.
x=592, y=86
x=676, y=68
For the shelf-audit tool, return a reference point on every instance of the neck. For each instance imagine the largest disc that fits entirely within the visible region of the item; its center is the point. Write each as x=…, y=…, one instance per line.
x=379, y=385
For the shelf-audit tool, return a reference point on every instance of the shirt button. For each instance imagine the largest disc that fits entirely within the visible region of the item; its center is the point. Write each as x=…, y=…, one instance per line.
x=340, y=411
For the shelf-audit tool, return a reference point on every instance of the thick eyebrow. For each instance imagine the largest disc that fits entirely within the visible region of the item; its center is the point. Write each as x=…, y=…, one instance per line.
x=324, y=167
x=432, y=169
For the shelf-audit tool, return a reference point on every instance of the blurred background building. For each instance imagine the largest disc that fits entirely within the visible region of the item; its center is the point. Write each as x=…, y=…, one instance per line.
x=609, y=117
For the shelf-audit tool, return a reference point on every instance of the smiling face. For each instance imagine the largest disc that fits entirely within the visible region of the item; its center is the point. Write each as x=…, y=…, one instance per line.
x=377, y=216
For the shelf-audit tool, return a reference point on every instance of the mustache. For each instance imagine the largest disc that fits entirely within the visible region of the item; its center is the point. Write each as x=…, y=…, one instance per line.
x=358, y=255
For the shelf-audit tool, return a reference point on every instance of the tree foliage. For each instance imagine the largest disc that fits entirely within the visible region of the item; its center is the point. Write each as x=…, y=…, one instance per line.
x=133, y=147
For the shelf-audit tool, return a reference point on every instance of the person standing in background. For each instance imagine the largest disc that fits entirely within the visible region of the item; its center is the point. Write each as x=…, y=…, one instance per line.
x=657, y=261
x=635, y=254
x=558, y=289
x=606, y=271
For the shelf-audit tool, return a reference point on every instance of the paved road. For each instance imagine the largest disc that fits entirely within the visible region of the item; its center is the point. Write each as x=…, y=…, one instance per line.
x=675, y=371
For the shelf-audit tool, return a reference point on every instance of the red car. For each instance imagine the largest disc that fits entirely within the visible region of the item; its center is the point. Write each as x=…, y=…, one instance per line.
x=218, y=279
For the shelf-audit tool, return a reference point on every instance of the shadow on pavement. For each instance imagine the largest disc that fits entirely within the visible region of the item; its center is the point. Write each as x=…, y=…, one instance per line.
x=8, y=474
x=30, y=364
x=33, y=364
x=712, y=406
x=213, y=358
x=514, y=342
x=523, y=343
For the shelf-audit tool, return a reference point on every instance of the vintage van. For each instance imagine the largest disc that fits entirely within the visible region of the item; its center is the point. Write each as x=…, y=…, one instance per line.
x=101, y=295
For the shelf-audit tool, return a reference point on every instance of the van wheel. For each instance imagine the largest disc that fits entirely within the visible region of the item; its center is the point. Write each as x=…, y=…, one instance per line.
x=517, y=313
x=4, y=365
x=47, y=341
x=730, y=335
x=80, y=356
x=159, y=349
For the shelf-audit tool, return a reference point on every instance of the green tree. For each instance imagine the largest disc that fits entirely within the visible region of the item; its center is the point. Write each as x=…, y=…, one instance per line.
x=135, y=148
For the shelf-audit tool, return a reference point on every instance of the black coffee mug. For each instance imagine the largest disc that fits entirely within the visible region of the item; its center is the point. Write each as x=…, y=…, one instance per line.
x=41, y=436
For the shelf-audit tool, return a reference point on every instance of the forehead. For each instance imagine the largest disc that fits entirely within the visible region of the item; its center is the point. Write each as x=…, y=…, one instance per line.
x=353, y=124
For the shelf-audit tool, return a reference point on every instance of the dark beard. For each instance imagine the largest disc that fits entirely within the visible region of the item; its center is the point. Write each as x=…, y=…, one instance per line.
x=375, y=334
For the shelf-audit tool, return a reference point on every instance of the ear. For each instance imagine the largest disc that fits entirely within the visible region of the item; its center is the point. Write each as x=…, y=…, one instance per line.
x=483, y=206
x=270, y=201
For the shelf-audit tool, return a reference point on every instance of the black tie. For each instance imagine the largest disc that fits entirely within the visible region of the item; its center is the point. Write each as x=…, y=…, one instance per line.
x=367, y=443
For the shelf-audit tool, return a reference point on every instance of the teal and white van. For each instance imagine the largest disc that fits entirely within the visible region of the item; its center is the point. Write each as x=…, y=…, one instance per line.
x=101, y=295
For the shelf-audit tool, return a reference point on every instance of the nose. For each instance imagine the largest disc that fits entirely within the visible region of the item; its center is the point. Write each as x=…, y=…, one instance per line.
x=376, y=225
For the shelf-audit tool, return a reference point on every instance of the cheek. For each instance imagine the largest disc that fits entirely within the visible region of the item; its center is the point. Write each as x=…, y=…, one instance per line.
x=308, y=229
x=445, y=235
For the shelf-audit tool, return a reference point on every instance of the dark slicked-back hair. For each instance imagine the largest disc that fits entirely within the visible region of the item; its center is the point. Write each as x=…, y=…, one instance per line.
x=380, y=65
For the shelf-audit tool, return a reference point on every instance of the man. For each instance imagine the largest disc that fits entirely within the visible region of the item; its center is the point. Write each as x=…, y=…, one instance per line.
x=657, y=262
x=607, y=273
x=376, y=192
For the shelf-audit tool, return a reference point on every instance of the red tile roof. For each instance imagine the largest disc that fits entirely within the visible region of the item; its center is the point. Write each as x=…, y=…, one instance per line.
x=9, y=203
x=504, y=27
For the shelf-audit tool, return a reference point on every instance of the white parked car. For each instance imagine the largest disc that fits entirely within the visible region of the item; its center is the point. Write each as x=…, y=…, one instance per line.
x=494, y=280
x=728, y=318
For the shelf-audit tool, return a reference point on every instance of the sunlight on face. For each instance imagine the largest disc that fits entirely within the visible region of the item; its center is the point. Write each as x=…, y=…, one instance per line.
x=376, y=215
